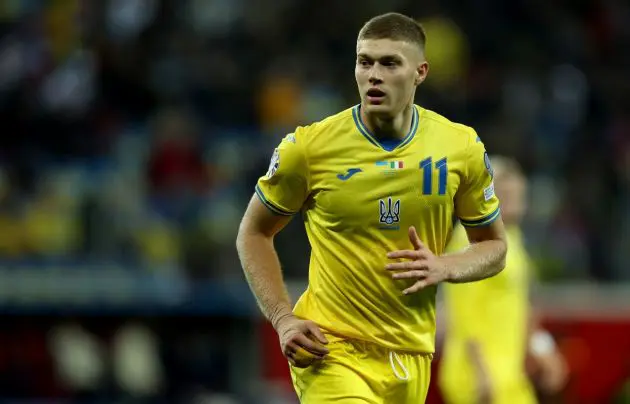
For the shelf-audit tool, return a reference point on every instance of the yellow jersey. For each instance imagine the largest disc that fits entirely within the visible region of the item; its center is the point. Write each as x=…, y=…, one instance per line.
x=358, y=197
x=495, y=314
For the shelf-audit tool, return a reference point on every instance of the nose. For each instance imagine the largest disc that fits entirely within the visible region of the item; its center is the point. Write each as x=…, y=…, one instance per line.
x=375, y=75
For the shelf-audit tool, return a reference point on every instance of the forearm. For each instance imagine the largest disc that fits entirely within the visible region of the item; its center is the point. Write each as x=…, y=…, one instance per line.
x=263, y=273
x=482, y=372
x=474, y=353
x=478, y=261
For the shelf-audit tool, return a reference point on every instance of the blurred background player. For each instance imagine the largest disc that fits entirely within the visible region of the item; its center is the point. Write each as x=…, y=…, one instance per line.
x=490, y=329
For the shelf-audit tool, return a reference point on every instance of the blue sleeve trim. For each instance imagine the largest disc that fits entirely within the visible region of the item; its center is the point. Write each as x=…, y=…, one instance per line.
x=270, y=205
x=484, y=221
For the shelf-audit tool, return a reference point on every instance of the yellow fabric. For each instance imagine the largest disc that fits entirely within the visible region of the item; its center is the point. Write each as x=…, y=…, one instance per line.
x=358, y=200
x=361, y=373
x=494, y=313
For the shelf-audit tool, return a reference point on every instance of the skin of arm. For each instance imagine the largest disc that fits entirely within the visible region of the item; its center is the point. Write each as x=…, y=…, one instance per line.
x=302, y=342
x=260, y=261
x=484, y=258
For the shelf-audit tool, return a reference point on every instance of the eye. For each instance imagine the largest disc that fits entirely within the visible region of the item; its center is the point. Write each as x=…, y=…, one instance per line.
x=364, y=63
x=389, y=63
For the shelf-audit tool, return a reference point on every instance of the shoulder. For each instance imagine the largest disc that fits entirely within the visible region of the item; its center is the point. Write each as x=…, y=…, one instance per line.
x=460, y=132
x=326, y=127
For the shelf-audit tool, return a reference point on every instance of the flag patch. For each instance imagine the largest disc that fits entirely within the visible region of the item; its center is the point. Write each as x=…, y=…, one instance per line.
x=488, y=193
x=391, y=165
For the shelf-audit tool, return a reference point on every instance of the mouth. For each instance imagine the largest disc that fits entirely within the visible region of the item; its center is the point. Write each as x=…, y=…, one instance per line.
x=375, y=96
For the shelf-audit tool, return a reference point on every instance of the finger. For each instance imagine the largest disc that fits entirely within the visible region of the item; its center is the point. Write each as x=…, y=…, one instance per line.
x=291, y=360
x=310, y=345
x=410, y=254
x=399, y=266
x=316, y=332
x=415, y=240
x=410, y=275
x=290, y=348
x=408, y=265
x=548, y=386
x=555, y=382
x=293, y=351
x=421, y=284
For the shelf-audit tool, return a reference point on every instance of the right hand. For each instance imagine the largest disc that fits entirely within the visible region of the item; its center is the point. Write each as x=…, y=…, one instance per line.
x=296, y=336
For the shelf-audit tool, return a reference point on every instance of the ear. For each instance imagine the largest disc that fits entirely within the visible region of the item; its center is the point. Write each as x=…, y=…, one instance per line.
x=421, y=73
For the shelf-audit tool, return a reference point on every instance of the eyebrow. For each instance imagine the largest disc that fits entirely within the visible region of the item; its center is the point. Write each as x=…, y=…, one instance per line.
x=382, y=57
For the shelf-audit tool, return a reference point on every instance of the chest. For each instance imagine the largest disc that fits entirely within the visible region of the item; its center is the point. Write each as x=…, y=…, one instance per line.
x=388, y=192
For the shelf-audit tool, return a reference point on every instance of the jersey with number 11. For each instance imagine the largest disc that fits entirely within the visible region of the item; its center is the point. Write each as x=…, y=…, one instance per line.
x=358, y=197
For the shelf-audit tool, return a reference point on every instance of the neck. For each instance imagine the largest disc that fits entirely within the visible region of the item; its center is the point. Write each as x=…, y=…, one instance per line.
x=396, y=127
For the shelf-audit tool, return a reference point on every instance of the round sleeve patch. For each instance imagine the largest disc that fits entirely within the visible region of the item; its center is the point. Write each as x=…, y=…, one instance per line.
x=273, y=164
x=486, y=160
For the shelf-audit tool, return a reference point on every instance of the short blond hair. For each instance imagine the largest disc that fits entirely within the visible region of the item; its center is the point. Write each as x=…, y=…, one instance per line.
x=394, y=26
x=504, y=166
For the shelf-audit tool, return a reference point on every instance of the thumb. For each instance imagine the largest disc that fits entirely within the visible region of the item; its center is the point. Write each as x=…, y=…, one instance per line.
x=415, y=240
x=314, y=330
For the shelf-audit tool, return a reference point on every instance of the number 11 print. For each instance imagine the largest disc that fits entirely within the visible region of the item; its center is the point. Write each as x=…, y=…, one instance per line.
x=426, y=166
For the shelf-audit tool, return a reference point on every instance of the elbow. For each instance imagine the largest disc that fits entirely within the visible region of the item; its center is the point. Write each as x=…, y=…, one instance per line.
x=239, y=242
x=502, y=259
x=501, y=265
x=241, y=239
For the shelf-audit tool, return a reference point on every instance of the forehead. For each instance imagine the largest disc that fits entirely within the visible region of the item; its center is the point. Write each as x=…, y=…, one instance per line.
x=378, y=48
x=510, y=181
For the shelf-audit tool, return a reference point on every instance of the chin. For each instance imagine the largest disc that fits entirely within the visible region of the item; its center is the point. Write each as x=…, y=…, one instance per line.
x=379, y=110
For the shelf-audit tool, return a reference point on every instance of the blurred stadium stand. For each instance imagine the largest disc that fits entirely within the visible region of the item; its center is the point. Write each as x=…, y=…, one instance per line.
x=132, y=133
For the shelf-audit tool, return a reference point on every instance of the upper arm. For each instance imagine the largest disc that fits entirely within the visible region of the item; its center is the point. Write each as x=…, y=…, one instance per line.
x=259, y=219
x=492, y=231
x=476, y=204
x=281, y=192
x=286, y=185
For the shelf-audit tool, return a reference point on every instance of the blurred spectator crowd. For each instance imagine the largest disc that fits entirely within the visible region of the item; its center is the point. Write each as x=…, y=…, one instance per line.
x=134, y=130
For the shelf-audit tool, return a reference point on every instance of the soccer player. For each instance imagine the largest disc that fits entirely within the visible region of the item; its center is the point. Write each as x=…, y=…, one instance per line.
x=377, y=186
x=488, y=322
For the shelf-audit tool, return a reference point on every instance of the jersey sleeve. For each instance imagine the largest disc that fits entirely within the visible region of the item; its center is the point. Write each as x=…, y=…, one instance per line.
x=476, y=203
x=285, y=186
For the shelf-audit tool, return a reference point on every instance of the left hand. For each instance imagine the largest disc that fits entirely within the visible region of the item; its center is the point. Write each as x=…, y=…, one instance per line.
x=552, y=372
x=424, y=267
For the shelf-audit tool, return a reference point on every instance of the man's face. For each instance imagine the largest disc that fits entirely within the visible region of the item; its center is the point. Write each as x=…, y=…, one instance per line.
x=512, y=192
x=387, y=73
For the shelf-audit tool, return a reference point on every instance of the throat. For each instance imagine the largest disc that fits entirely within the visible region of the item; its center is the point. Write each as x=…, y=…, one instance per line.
x=389, y=129
x=385, y=130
